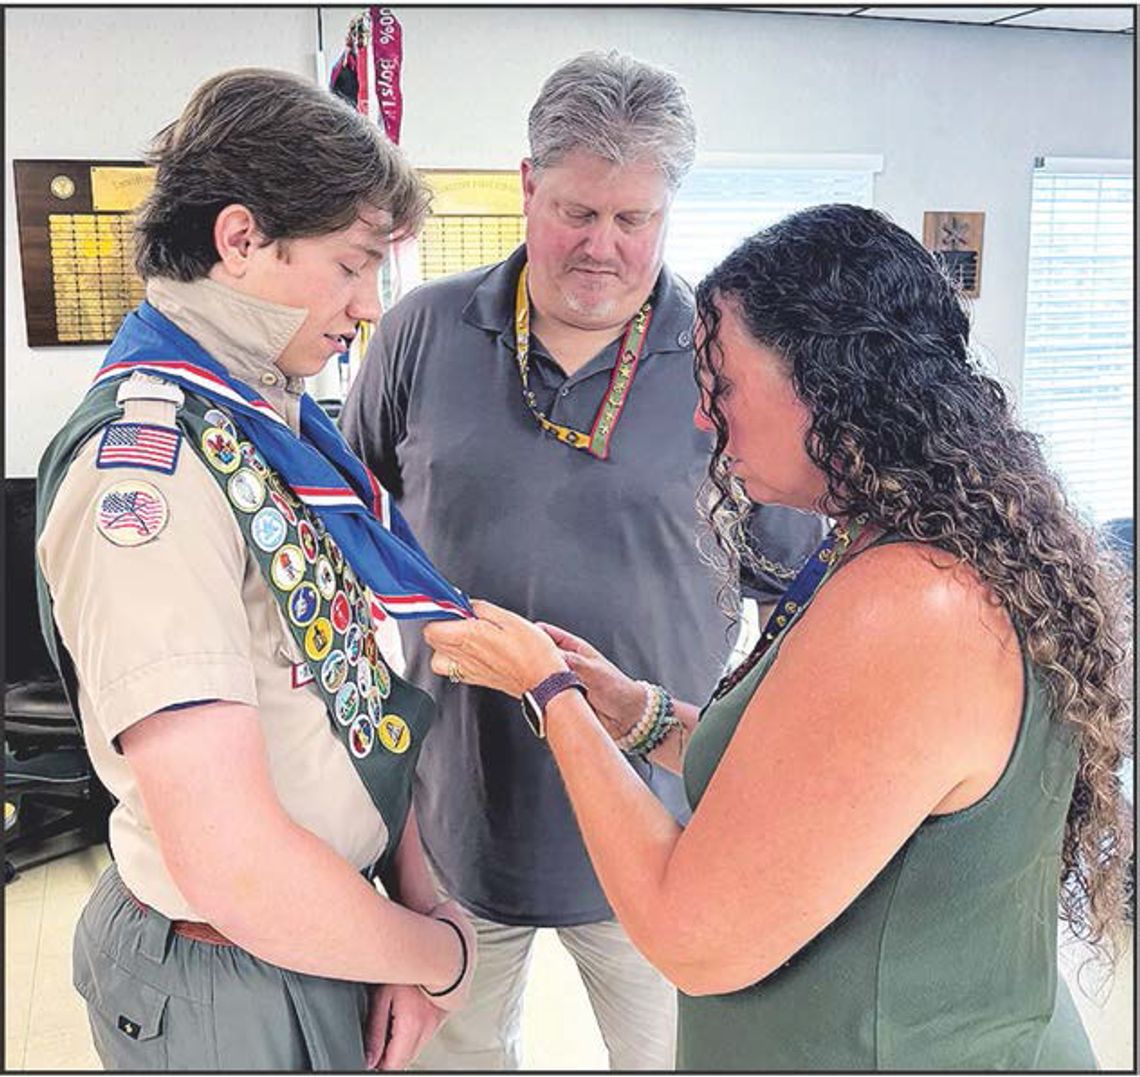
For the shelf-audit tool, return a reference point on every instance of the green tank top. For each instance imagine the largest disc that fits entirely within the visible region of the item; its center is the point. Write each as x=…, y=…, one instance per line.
x=946, y=960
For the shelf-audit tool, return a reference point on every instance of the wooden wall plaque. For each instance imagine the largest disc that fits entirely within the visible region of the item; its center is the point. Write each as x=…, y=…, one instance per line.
x=955, y=239
x=77, y=246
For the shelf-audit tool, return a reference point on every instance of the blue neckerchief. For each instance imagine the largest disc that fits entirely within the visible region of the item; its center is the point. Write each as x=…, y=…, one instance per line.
x=318, y=466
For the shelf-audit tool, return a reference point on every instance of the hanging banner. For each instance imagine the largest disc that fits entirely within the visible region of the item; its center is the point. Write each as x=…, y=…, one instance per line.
x=387, y=58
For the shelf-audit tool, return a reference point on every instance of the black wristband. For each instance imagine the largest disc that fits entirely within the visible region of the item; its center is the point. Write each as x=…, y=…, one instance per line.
x=463, y=964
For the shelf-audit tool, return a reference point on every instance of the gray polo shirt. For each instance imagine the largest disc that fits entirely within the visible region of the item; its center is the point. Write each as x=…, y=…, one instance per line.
x=604, y=548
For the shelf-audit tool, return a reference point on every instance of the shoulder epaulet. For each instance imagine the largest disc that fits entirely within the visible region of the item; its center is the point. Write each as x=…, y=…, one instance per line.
x=143, y=386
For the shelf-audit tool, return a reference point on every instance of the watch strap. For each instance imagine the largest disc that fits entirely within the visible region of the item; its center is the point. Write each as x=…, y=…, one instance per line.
x=543, y=692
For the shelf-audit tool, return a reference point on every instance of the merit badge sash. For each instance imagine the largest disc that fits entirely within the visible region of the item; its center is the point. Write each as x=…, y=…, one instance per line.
x=318, y=467
x=380, y=718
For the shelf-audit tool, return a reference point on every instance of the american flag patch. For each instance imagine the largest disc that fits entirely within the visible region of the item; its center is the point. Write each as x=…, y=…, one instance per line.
x=154, y=448
x=131, y=513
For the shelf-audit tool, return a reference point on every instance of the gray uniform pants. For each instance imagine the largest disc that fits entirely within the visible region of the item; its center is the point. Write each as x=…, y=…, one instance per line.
x=635, y=1007
x=158, y=1001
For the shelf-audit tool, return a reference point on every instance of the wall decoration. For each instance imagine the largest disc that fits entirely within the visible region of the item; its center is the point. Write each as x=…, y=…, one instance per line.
x=955, y=239
x=476, y=219
x=77, y=247
x=77, y=243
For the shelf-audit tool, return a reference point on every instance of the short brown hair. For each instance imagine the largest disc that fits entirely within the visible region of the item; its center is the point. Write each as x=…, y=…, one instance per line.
x=300, y=159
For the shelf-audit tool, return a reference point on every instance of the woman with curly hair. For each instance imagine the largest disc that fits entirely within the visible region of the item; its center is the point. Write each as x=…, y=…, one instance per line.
x=917, y=766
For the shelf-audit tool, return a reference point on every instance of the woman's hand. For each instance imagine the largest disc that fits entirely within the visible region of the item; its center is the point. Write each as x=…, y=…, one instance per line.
x=496, y=649
x=618, y=700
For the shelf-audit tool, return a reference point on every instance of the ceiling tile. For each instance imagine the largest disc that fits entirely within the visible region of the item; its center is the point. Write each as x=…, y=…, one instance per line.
x=809, y=10
x=1082, y=18
x=944, y=14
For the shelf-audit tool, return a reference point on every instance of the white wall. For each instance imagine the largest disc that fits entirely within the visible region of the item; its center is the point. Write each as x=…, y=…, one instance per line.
x=958, y=113
x=128, y=72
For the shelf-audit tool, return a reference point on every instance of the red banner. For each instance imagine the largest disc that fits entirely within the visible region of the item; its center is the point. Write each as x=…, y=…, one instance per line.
x=387, y=57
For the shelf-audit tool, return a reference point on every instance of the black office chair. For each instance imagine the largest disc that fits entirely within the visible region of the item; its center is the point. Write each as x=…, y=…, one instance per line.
x=50, y=789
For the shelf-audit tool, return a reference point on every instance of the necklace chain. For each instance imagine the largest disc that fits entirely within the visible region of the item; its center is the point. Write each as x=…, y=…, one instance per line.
x=829, y=553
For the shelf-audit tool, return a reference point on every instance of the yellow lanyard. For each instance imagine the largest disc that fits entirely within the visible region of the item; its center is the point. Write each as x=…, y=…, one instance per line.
x=597, y=441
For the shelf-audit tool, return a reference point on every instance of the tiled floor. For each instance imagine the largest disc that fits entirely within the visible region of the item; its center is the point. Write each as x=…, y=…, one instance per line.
x=45, y=1023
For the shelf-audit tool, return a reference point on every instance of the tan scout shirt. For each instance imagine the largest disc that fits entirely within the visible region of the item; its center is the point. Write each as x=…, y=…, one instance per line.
x=187, y=616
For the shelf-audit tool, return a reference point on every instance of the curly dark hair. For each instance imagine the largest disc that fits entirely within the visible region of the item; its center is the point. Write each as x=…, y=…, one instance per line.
x=911, y=433
x=300, y=159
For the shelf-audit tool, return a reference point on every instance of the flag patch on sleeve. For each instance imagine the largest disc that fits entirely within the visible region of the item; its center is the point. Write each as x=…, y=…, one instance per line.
x=154, y=448
x=131, y=513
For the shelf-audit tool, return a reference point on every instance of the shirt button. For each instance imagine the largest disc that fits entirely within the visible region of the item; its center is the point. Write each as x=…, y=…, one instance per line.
x=563, y=392
x=684, y=338
x=268, y=378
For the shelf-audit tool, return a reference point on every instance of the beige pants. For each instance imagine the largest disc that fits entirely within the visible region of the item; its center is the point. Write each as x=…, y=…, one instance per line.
x=635, y=1007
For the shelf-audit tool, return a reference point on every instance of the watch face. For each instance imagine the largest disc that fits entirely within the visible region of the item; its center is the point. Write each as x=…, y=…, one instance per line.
x=532, y=712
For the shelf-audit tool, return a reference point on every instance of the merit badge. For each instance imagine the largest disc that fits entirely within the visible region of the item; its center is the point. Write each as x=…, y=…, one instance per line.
x=319, y=527
x=341, y=612
x=302, y=674
x=288, y=568
x=350, y=588
x=383, y=679
x=268, y=529
x=361, y=737
x=246, y=490
x=252, y=459
x=283, y=506
x=221, y=449
x=308, y=540
x=347, y=703
x=394, y=734
x=283, y=489
x=326, y=578
x=318, y=639
x=335, y=671
x=131, y=513
x=370, y=651
x=349, y=576
x=364, y=678
x=143, y=445
x=304, y=605
x=375, y=707
x=353, y=642
x=334, y=553
x=217, y=417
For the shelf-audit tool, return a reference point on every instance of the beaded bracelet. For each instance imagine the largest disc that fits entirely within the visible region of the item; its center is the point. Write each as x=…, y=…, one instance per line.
x=642, y=726
x=657, y=735
x=663, y=723
x=657, y=723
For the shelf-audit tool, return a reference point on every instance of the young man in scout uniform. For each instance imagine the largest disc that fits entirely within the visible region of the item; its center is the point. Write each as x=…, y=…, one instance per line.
x=534, y=423
x=214, y=562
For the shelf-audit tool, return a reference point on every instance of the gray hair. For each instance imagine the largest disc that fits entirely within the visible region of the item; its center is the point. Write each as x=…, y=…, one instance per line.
x=618, y=108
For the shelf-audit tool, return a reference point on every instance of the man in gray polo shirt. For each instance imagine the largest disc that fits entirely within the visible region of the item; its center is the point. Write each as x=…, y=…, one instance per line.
x=566, y=493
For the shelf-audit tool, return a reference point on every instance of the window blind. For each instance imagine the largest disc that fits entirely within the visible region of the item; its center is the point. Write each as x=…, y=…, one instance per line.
x=1078, y=372
x=718, y=206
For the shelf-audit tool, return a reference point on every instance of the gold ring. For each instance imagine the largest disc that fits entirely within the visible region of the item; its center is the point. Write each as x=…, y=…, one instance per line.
x=454, y=673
